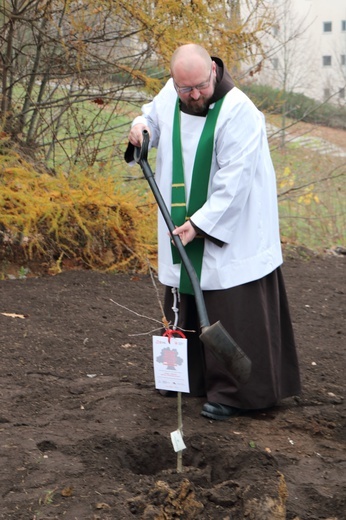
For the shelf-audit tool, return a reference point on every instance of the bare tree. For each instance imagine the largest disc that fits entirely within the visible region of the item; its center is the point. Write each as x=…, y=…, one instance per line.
x=67, y=67
x=286, y=56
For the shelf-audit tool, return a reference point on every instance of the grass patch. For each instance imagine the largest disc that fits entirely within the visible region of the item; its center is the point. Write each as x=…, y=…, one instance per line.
x=311, y=191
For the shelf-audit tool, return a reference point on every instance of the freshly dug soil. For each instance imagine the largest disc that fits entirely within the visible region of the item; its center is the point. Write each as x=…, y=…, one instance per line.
x=84, y=435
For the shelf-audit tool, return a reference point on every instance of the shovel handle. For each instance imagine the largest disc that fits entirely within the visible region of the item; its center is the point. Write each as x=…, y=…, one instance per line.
x=141, y=153
x=140, y=156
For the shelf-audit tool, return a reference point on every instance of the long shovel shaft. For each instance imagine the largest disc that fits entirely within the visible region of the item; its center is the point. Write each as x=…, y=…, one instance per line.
x=201, y=309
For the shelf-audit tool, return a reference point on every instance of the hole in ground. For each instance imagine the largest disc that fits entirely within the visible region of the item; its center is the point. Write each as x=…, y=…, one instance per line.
x=152, y=454
x=144, y=455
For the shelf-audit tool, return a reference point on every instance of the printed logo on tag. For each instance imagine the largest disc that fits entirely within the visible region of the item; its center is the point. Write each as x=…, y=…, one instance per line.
x=170, y=364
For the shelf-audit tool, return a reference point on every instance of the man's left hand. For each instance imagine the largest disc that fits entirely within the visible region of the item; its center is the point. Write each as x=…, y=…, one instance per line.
x=186, y=232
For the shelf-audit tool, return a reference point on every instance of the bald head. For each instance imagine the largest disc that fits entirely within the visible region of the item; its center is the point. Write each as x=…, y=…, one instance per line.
x=194, y=77
x=190, y=58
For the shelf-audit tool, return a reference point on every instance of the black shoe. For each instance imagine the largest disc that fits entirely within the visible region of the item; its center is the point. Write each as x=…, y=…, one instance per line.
x=219, y=412
x=168, y=393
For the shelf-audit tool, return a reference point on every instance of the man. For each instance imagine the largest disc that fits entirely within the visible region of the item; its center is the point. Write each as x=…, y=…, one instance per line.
x=214, y=171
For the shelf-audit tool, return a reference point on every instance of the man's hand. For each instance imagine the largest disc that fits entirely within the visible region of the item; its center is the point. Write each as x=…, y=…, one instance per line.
x=186, y=232
x=136, y=134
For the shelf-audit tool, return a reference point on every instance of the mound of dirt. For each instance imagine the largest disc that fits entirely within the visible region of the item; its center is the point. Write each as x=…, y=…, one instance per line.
x=85, y=435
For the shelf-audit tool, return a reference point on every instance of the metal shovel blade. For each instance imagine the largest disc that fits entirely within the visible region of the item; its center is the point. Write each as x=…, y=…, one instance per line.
x=227, y=351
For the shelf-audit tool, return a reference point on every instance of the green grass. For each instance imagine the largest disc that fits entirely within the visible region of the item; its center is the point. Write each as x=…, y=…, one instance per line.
x=311, y=189
x=90, y=134
x=86, y=132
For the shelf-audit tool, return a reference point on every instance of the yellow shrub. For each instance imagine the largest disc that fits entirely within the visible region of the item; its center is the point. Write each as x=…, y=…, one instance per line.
x=85, y=219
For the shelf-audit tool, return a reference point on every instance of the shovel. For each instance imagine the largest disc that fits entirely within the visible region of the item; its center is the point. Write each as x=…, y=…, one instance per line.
x=215, y=336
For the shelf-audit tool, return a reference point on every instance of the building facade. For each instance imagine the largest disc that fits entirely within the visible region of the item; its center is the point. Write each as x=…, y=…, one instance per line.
x=306, y=50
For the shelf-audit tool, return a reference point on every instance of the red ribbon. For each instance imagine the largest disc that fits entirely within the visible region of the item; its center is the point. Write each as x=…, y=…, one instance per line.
x=170, y=333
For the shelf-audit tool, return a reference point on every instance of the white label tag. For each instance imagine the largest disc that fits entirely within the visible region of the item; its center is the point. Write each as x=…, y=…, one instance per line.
x=177, y=441
x=170, y=364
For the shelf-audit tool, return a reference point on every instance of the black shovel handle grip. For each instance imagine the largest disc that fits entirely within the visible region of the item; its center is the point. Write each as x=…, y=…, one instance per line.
x=140, y=156
x=141, y=153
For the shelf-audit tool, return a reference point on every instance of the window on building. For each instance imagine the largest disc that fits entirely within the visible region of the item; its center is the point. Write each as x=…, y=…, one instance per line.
x=327, y=61
x=327, y=26
x=343, y=59
x=342, y=93
x=275, y=30
x=275, y=63
x=343, y=25
x=326, y=94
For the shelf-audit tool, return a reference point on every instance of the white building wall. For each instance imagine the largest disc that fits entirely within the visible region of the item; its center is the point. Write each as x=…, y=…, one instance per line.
x=313, y=59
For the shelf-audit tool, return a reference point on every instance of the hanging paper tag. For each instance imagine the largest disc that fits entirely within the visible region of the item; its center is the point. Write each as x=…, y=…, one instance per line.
x=170, y=364
x=177, y=441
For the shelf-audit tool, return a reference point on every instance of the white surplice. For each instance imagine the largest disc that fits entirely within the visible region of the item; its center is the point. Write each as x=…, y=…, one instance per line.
x=241, y=209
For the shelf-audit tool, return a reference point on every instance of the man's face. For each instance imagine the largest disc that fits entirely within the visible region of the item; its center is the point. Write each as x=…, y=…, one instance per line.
x=196, y=87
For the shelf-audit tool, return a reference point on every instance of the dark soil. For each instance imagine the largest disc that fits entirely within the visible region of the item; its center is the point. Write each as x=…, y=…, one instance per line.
x=85, y=435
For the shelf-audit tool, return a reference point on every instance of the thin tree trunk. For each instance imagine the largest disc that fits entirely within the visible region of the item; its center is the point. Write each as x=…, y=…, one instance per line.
x=33, y=76
x=7, y=64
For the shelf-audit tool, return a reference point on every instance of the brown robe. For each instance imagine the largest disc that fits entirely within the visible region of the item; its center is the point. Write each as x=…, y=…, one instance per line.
x=257, y=317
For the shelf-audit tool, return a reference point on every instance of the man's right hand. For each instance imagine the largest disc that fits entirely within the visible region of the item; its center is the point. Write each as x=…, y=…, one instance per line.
x=136, y=134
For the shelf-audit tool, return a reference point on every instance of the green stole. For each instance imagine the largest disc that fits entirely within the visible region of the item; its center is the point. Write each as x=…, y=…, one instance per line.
x=180, y=212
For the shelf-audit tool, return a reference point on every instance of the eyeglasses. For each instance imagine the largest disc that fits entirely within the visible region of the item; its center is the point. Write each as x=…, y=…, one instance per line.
x=201, y=86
